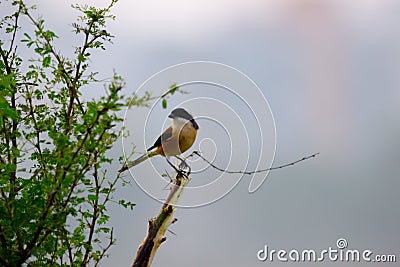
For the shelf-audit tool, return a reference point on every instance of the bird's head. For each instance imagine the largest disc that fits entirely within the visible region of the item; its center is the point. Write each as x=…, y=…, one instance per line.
x=181, y=115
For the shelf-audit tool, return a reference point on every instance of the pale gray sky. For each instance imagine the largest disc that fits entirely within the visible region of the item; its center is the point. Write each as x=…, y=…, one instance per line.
x=330, y=72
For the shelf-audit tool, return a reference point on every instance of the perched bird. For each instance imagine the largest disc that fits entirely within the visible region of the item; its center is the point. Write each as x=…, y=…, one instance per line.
x=175, y=140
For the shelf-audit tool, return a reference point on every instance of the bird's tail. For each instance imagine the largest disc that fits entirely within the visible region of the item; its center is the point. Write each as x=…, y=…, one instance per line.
x=137, y=161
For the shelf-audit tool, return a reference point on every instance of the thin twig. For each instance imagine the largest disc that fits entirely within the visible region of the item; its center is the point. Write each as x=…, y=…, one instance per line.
x=179, y=171
x=256, y=171
x=15, y=30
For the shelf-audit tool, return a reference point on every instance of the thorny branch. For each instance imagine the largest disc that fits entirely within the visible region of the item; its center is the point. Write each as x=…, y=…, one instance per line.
x=197, y=153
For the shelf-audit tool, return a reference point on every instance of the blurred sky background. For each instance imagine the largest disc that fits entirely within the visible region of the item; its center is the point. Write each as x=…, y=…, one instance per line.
x=330, y=71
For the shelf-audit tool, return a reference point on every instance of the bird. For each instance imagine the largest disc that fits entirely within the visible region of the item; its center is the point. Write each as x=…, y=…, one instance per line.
x=175, y=140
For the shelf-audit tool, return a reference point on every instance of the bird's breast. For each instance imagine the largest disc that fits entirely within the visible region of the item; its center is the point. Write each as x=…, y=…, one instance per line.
x=182, y=139
x=187, y=136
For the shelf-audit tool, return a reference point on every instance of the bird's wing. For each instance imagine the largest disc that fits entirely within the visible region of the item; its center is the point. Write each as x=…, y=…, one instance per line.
x=167, y=134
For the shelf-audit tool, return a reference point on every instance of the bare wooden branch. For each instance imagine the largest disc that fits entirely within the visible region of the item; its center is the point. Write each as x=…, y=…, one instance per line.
x=159, y=225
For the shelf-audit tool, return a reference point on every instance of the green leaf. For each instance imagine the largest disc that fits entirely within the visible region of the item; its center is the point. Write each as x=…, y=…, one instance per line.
x=38, y=94
x=81, y=58
x=27, y=36
x=173, y=88
x=164, y=103
x=46, y=61
x=127, y=204
x=93, y=197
